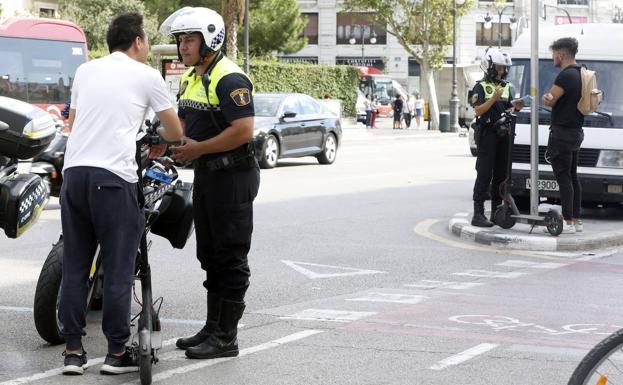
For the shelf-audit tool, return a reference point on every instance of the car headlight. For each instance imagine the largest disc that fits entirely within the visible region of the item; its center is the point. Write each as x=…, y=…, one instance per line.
x=610, y=159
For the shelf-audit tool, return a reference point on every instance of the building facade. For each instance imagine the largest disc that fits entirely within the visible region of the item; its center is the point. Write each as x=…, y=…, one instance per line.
x=45, y=8
x=337, y=37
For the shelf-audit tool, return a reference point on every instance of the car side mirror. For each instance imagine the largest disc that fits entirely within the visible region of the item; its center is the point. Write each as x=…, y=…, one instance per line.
x=3, y=126
x=288, y=114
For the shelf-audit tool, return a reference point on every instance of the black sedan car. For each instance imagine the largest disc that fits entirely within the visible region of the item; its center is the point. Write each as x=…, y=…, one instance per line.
x=294, y=125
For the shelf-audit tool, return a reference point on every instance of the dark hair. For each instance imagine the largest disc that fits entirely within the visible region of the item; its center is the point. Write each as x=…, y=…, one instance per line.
x=123, y=30
x=568, y=45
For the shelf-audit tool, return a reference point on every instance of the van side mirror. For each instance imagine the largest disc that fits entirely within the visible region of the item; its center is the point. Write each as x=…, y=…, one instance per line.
x=3, y=126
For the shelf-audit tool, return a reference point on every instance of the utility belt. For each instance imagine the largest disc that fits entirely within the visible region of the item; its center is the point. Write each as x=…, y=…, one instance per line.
x=242, y=158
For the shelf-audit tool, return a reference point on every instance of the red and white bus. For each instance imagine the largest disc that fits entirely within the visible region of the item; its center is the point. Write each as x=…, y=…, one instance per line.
x=373, y=81
x=39, y=58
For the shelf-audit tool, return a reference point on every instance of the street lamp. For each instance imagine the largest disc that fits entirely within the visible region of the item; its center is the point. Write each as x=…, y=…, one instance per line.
x=454, y=96
x=362, y=29
x=489, y=24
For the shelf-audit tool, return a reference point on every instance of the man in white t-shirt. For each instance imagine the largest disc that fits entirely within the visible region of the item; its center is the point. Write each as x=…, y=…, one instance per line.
x=99, y=198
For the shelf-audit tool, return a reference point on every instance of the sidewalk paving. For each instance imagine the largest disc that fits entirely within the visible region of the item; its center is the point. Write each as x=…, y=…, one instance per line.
x=602, y=228
x=353, y=130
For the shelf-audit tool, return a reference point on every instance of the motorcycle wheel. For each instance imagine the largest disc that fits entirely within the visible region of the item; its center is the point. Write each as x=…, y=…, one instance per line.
x=47, y=296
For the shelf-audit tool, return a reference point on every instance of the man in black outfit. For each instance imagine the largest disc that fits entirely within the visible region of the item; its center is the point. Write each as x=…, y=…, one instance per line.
x=566, y=134
x=397, y=107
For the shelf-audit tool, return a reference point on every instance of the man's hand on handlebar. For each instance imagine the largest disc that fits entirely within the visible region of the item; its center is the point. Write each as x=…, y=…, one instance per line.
x=157, y=150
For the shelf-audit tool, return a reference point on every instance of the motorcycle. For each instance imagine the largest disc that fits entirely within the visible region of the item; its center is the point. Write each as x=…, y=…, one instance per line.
x=168, y=213
x=49, y=164
x=25, y=131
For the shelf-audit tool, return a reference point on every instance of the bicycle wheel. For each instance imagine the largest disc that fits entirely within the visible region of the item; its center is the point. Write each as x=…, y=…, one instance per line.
x=145, y=354
x=603, y=365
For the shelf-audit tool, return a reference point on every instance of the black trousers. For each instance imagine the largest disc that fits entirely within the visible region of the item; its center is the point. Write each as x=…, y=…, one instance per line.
x=223, y=213
x=368, y=118
x=98, y=206
x=563, y=155
x=407, y=117
x=491, y=166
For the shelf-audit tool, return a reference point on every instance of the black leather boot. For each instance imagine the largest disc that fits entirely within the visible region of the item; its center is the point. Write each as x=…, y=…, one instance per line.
x=479, y=219
x=494, y=206
x=224, y=341
x=214, y=309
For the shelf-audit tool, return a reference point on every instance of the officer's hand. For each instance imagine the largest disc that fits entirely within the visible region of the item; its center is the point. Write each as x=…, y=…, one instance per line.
x=498, y=92
x=157, y=151
x=518, y=104
x=187, y=152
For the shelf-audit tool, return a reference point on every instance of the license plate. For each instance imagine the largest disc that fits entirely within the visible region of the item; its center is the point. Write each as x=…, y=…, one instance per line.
x=544, y=185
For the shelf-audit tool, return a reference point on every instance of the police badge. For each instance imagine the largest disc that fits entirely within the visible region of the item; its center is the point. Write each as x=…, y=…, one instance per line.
x=241, y=96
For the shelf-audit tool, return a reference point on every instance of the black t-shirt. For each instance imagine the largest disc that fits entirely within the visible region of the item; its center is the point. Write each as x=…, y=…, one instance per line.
x=236, y=101
x=565, y=112
x=398, y=106
x=496, y=110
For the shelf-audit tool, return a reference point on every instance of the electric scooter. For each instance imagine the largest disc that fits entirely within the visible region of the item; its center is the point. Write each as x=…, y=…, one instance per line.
x=507, y=214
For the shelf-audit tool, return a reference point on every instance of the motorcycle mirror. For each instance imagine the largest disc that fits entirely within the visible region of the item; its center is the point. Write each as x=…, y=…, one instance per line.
x=3, y=126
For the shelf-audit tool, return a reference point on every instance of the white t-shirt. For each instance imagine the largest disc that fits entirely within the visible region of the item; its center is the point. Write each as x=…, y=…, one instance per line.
x=419, y=104
x=111, y=96
x=406, y=107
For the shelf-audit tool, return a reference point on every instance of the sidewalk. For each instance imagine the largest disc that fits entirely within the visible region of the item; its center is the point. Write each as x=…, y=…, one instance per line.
x=353, y=130
x=602, y=228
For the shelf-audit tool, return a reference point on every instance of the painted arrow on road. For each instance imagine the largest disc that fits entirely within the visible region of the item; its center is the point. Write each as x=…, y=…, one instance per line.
x=341, y=271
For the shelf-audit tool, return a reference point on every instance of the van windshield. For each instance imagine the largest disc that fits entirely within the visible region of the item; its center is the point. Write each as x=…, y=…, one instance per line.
x=609, y=79
x=39, y=71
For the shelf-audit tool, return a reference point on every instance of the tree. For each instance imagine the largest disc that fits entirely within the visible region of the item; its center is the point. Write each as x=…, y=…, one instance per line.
x=275, y=25
x=233, y=15
x=423, y=28
x=162, y=9
x=94, y=16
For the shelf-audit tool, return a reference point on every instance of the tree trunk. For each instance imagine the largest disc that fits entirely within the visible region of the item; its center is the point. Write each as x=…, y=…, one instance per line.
x=431, y=95
x=229, y=10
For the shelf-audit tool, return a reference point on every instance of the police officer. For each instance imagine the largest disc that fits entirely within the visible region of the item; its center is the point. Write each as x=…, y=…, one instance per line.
x=216, y=109
x=491, y=96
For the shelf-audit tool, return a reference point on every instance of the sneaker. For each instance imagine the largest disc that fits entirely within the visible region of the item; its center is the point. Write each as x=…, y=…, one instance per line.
x=568, y=229
x=579, y=226
x=125, y=363
x=74, y=364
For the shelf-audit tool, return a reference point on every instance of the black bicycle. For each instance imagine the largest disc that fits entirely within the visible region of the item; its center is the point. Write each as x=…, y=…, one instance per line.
x=168, y=213
x=603, y=365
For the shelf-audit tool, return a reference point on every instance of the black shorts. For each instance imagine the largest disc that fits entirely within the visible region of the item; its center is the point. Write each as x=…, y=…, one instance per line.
x=397, y=116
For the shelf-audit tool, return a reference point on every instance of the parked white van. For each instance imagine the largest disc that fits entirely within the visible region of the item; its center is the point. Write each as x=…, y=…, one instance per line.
x=600, y=160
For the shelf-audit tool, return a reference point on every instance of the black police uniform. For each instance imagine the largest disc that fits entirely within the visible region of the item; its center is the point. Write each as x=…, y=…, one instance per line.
x=492, y=150
x=225, y=185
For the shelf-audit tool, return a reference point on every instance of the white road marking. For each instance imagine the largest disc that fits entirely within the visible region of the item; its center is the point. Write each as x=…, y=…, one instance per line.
x=344, y=271
x=391, y=298
x=329, y=315
x=490, y=274
x=464, y=356
x=454, y=285
x=244, y=352
x=16, y=309
x=530, y=264
x=59, y=371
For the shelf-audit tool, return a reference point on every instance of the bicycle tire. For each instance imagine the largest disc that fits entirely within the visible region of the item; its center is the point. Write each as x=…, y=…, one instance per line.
x=145, y=353
x=595, y=357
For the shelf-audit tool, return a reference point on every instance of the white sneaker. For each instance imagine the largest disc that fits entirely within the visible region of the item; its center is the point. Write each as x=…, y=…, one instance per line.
x=568, y=229
x=579, y=226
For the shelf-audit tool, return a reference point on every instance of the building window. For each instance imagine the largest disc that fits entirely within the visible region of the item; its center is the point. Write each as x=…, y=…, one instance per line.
x=47, y=12
x=349, y=24
x=311, y=29
x=490, y=37
x=572, y=2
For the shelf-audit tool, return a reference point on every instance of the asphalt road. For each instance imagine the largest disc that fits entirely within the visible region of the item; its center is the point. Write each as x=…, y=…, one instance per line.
x=355, y=280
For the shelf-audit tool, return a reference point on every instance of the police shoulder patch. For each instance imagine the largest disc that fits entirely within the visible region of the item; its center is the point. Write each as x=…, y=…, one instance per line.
x=474, y=99
x=241, y=96
x=489, y=89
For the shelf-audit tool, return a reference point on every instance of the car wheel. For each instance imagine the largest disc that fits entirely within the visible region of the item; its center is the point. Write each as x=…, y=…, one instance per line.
x=474, y=151
x=329, y=153
x=270, y=153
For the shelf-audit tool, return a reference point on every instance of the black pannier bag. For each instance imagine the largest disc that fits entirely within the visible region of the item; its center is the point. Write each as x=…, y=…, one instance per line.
x=175, y=221
x=27, y=129
x=22, y=198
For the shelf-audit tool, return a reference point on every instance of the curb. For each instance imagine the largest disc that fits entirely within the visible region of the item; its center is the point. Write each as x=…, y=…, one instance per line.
x=461, y=227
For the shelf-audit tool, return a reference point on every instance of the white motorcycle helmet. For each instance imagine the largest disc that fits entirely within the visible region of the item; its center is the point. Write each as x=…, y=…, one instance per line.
x=196, y=19
x=492, y=57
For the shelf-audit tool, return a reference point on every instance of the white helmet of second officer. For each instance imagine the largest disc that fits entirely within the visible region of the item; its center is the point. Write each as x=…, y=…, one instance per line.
x=495, y=57
x=197, y=19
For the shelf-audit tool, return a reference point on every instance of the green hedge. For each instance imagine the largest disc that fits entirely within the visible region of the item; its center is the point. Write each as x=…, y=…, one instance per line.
x=315, y=80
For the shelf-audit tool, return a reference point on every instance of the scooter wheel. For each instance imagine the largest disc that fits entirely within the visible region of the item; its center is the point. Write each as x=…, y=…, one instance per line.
x=502, y=218
x=553, y=222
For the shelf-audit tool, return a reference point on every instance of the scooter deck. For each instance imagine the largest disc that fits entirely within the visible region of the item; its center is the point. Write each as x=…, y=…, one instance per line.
x=529, y=218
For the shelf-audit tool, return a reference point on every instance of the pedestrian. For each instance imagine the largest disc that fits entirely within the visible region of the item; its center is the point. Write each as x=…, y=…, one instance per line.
x=419, y=110
x=375, y=111
x=566, y=134
x=397, y=105
x=491, y=97
x=406, y=111
x=216, y=107
x=99, y=198
x=368, y=106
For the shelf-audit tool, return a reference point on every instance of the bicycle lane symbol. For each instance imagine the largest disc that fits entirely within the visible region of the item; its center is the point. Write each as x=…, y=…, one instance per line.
x=503, y=323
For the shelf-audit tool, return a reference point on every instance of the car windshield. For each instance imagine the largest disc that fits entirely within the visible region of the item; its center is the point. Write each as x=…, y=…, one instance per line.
x=609, y=80
x=266, y=105
x=38, y=71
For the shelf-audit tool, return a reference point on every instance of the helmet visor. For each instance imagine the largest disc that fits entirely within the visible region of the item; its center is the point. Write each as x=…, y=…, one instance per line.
x=165, y=27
